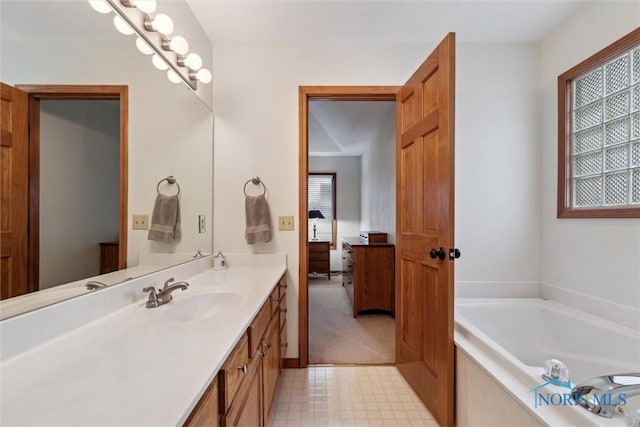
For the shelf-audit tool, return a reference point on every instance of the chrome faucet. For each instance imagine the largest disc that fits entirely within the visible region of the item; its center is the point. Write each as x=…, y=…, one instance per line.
x=603, y=395
x=94, y=284
x=161, y=297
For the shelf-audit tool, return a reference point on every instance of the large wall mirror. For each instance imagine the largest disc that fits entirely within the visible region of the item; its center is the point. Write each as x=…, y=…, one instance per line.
x=170, y=133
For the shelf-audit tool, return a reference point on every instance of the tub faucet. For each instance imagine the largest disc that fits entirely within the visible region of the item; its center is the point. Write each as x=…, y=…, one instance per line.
x=161, y=297
x=94, y=284
x=602, y=395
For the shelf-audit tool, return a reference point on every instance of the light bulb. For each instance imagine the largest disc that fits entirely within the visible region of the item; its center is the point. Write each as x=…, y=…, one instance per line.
x=159, y=63
x=173, y=77
x=143, y=46
x=193, y=61
x=100, y=6
x=179, y=45
x=146, y=6
x=203, y=75
x=122, y=26
x=163, y=24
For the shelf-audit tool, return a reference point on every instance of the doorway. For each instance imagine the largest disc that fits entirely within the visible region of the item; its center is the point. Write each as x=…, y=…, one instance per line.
x=329, y=290
x=58, y=107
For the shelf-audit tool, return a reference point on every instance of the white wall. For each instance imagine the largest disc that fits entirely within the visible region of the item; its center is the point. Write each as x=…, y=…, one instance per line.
x=79, y=187
x=256, y=133
x=497, y=196
x=378, y=199
x=597, y=257
x=347, y=171
x=170, y=129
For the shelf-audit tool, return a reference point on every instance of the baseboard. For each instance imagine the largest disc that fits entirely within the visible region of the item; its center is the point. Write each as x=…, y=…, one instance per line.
x=292, y=363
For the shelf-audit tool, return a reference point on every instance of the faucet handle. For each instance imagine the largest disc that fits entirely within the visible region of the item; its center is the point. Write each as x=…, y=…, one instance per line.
x=153, y=296
x=166, y=284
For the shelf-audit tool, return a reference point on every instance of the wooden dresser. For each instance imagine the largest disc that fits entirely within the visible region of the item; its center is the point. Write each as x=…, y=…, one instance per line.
x=109, y=256
x=368, y=274
x=319, y=260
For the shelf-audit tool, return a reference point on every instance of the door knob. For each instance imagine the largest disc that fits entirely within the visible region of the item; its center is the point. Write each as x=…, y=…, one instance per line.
x=437, y=253
x=454, y=253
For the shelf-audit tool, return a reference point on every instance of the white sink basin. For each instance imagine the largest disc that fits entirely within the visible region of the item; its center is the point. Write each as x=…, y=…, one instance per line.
x=201, y=306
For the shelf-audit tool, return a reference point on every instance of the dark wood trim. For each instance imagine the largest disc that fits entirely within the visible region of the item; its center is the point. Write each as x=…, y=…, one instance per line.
x=34, y=195
x=334, y=222
x=305, y=93
x=72, y=92
x=291, y=363
x=564, y=199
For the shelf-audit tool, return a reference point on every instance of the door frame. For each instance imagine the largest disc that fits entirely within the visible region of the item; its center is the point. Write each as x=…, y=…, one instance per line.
x=37, y=93
x=306, y=93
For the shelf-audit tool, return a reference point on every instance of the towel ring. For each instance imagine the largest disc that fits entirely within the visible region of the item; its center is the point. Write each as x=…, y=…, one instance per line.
x=171, y=180
x=255, y=181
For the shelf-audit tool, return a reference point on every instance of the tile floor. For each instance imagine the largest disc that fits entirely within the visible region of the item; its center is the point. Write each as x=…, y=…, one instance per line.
x=327, y=396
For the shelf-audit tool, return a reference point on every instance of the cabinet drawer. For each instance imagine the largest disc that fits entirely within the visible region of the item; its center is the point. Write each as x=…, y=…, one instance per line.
x=258, y=327
x=283, y=310
x=275, y=298
x=233, y=372
x=283, y=285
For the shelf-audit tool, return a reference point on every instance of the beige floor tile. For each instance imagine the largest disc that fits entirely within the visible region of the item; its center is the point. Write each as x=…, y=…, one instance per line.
x=347, y=396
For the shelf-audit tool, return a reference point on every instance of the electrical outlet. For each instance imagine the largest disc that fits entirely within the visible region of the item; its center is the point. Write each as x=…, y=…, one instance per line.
x=141, y=222
x=200, y=224
x=286, y=222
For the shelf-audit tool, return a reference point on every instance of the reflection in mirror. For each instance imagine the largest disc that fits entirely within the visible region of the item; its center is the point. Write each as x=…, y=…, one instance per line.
x=170, y=132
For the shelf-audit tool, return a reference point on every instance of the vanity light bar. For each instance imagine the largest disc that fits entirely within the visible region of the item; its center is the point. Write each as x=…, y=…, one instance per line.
x=154, y=31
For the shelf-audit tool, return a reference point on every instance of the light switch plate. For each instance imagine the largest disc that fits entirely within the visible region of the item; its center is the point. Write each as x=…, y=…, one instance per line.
x=141, y=222
x=286, y=222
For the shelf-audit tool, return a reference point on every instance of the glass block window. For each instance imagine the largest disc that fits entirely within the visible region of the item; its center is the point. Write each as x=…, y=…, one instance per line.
x=599, y=164
x=321, y=195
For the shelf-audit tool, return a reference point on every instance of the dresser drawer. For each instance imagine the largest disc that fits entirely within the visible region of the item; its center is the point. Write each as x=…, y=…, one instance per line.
x=233, y=372
x=258, y=327
x=318, y=256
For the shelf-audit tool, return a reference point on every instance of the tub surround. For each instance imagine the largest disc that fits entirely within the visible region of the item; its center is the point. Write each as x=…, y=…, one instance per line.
x=624, y=315
x=494, y=384
x=97, y=355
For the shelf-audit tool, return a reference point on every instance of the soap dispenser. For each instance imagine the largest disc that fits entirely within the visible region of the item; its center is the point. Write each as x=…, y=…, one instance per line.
x=219, y=261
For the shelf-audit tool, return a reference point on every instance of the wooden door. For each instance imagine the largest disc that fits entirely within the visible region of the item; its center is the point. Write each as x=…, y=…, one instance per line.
x=14, y=191
x=424, y=222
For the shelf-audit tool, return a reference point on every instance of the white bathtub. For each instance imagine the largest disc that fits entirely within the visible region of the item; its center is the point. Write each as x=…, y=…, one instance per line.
x=511, y=338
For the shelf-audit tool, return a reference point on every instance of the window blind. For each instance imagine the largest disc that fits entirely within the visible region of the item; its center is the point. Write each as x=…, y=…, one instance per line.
x=320, y=197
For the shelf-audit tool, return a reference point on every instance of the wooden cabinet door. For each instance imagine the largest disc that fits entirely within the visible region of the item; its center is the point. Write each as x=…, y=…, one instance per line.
x=14, y=191
x=271, y=365
x=246, y=410
x=425, y=183
x=206, y=413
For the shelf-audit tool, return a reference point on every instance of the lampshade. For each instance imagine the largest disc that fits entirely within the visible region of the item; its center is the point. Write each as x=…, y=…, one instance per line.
x=100, y=6
x=193, y=61
x=314, y=213
x=143, y=46
x=122, y=26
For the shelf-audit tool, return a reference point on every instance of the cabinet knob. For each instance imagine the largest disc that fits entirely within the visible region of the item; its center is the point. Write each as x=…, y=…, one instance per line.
x=244, y=369
x=283, y=310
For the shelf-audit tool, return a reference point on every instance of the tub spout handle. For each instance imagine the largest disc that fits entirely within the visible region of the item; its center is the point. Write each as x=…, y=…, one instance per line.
x=556, y=370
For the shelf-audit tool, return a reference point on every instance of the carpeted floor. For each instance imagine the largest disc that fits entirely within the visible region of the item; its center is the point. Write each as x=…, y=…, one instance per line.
x=336, y=337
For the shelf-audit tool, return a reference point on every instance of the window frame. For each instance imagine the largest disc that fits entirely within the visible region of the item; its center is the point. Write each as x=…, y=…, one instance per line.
x=565, y=94
x=334, y=189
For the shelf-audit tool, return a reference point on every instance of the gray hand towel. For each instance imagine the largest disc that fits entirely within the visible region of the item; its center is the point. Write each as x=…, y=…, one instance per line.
x=258, y=221
x=165, y=220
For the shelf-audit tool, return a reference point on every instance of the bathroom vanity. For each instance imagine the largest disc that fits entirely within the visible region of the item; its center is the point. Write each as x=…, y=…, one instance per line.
x=211, y=356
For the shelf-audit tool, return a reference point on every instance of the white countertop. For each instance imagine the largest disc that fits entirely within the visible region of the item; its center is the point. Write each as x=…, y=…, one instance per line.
x=133, y=366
